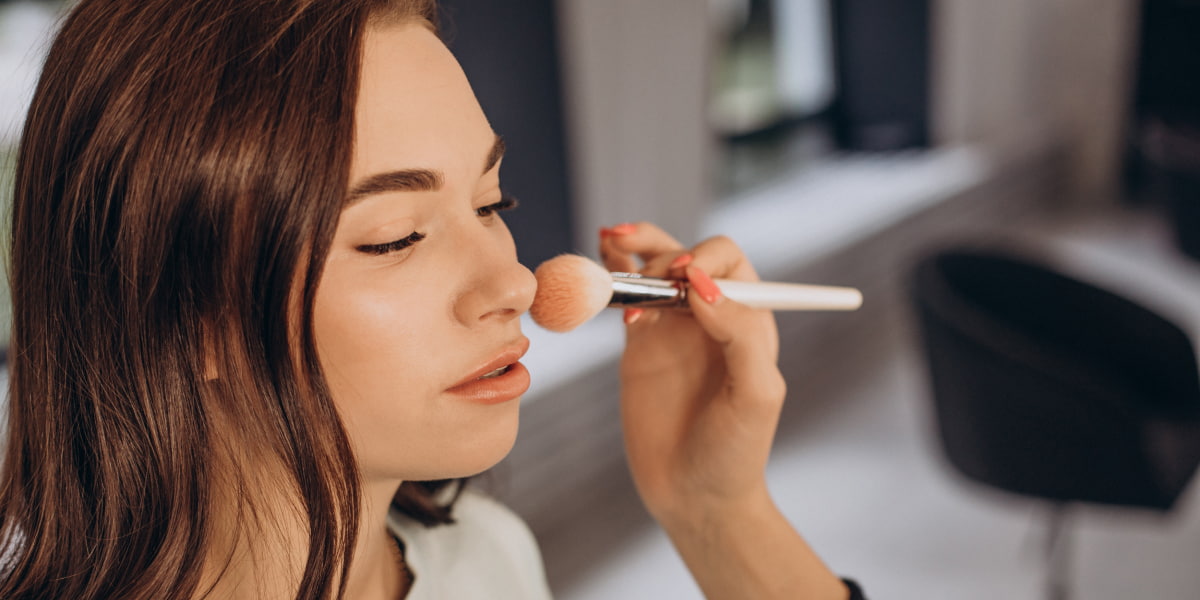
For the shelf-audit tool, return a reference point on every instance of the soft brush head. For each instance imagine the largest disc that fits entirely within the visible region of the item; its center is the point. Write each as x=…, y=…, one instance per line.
x=571, y=290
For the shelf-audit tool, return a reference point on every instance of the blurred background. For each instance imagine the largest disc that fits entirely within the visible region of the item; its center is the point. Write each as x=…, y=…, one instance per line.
x=854, y=142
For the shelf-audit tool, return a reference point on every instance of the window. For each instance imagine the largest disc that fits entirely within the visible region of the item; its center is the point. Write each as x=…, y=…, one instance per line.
x=773, y=86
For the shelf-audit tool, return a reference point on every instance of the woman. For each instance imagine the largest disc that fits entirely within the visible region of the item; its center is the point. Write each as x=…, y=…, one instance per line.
x=265, y=312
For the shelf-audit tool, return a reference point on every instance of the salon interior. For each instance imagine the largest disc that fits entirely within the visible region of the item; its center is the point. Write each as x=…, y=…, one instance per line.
x=1014, y=411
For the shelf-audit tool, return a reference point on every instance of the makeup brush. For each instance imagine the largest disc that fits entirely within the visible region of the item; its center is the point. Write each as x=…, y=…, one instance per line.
x=572, y=289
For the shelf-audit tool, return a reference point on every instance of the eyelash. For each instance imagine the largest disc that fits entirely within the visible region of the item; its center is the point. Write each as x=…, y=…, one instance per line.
x=505, y=204
x=396, y=246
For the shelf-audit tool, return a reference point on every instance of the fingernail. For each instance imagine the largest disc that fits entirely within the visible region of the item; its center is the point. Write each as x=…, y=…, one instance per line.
x=605, y=232
x=704, y=285
x=632, y=315
x=623, y=229
x=681, y=261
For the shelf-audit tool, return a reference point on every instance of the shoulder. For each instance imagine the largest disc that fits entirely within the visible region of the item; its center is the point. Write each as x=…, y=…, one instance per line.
x=488, y=548
x=481, y=519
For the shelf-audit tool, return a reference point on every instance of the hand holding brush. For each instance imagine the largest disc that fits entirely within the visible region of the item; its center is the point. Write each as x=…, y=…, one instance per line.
x=701, y=395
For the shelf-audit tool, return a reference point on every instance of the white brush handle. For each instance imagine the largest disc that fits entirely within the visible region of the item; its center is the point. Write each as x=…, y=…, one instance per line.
x=790, y=296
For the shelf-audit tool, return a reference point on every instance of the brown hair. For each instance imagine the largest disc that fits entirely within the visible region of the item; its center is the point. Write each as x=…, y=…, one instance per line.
x=179, y=179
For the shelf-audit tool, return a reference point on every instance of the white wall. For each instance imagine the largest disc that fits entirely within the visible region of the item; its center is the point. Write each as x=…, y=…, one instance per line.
x=636, y=75
x=1017, y=73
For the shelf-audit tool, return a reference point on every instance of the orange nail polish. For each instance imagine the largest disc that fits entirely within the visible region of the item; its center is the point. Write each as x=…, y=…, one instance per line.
x=605, y=232
x=623, y=229
x=704, y=285
x=632, y=315
x=681, y=261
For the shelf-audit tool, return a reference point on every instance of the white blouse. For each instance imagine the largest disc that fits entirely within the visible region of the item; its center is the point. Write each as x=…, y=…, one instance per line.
x=488, y=553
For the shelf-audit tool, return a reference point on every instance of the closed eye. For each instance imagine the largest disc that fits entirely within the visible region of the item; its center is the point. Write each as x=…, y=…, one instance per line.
x=505, y=203
x=396, y=246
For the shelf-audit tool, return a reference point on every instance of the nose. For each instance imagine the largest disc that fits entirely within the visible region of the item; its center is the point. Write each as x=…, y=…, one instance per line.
x=500, y=290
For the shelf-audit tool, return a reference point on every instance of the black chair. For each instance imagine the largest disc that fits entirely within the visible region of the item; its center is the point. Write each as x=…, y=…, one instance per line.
x=1051, y=388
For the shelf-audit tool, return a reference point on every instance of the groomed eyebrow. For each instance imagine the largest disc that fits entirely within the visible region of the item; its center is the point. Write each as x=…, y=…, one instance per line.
x=414, y=180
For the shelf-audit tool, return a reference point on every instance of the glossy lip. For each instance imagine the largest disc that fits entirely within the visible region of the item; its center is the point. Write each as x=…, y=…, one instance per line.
x=499, y=389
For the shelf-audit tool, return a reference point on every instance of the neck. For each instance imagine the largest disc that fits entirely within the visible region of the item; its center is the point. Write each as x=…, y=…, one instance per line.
x=377, y=572
x=267, y=548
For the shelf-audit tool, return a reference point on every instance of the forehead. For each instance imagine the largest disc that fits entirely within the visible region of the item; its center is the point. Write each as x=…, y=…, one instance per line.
x=415, y=107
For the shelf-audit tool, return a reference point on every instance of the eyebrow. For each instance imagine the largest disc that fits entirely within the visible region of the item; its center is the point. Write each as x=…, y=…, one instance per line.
x=414, y=180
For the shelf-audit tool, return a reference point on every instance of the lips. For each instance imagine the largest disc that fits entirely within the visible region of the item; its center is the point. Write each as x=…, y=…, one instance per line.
x=497, y=372
x=500, y=379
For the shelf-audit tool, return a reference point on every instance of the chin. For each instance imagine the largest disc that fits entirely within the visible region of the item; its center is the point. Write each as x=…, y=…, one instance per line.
x=484, y=451
x=469, y=453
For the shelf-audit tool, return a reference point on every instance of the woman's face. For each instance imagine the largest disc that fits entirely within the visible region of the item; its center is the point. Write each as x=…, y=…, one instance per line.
x=421, y=291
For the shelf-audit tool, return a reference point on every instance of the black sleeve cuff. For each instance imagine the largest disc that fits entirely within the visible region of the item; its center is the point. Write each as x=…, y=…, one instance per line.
x=856, y=592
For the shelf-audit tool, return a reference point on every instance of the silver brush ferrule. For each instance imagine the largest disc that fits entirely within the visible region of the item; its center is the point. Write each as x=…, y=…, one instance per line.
x=631, y=289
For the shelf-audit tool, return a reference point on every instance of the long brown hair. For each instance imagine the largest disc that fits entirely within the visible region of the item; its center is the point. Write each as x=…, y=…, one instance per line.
x=178, y=182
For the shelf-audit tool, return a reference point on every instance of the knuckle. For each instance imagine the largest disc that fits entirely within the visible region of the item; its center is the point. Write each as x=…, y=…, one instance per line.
x=648, y=231
x=723, y=243
x=766, y=397
x=721, y=256
x=774, y=387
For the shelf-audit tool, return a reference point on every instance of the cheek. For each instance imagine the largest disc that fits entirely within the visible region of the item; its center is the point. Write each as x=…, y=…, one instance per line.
x=373, y=342
x=385, y=357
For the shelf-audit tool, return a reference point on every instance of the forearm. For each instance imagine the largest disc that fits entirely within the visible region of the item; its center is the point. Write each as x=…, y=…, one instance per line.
x=751, y=552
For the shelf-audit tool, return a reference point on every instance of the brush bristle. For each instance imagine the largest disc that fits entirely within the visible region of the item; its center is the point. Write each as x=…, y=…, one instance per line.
x=571, y=290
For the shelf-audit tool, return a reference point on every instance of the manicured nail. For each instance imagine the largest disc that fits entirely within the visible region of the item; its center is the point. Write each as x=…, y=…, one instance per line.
x=681, y=261
x=632, y=315
x=704, y=285
x=605, y=232
x=623, y=229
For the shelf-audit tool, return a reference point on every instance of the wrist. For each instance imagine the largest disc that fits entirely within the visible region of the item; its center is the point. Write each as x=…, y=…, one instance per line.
x=708, y=514
x=746, y=548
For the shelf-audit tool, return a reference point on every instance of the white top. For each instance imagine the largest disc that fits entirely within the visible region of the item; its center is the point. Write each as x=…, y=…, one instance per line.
x=488, y=553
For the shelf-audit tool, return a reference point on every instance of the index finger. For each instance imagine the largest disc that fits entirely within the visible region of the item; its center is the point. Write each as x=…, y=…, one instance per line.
x=646, y=240
x=721, y=258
